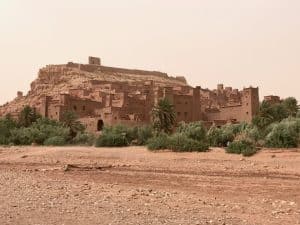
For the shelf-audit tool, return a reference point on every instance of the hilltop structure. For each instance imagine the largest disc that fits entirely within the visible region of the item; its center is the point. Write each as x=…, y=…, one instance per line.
x=102, y=95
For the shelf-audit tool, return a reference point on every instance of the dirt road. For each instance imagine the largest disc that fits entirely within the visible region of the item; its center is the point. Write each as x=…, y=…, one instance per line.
x=85, y=185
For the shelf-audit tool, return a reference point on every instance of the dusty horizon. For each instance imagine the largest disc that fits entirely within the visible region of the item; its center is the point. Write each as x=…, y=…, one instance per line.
x=238, y=43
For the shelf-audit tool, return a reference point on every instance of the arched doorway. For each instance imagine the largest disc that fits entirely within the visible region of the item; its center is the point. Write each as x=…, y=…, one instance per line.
x=100, y=125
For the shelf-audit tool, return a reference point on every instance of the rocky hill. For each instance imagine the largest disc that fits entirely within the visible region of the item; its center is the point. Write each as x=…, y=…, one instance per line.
x=55, y=79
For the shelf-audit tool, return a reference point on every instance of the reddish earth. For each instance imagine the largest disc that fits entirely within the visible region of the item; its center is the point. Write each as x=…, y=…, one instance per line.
x=86, y=185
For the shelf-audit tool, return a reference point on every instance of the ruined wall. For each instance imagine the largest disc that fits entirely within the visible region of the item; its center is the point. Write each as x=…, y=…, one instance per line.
x=94, y=60
x=233, y=113
x=91, y=123
x=132, y=71
x=184, y=108
x=82, y=107
x=244, y=112
x=272, y=99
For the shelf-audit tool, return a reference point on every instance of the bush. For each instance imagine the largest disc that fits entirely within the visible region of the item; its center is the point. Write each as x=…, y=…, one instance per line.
x=158, y=142
x=111, y=140
x=6, y=125
x=252, y=133
x=70, y=120
x=38, y=132
x=22, y=136
x=121, y=135
x=220, y=137
x=113, y=137
x=244, y=147
x=28, y=116
x=285, y=134
x=180, y=142
x=55, y=141
x=84, y=139
x=195, y=130
x=214, y=136
x=143, y=134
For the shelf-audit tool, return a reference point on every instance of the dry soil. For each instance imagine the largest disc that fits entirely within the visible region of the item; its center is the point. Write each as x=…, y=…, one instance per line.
x=86, y=185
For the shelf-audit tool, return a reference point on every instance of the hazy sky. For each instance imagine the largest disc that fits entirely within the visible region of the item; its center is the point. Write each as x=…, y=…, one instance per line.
x=235, y=42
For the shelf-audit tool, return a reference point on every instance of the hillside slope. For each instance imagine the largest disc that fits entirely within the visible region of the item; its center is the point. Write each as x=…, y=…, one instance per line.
x=55, y=79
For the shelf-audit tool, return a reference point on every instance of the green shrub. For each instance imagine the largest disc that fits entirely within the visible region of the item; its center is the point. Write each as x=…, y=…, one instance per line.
x=249, y=151
x=158, y=142
x=180, y=142
x=121, y=135
x=70, y=120
x=244, y=147
x=21, y=136
x=251, y=133
x=28, y=116
x=111, y=139
x=38, y=132
x=128, y=132
x=84, y=139
x=143, y=134
x=195, y=130
x=285, y=134
x=214, y=136
x=6, y=125
x=55, y=141
x=220, y=137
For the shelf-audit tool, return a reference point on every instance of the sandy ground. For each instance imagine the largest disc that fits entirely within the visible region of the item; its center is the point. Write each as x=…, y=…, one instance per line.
x=86, y=185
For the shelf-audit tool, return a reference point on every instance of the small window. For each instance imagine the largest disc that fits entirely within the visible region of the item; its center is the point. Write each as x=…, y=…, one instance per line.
x=75, y=107
x=247, y=113
x=178, y=113
x=83, y=108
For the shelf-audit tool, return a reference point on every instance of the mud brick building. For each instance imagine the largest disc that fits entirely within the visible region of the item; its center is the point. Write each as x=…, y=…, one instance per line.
x=102, y=95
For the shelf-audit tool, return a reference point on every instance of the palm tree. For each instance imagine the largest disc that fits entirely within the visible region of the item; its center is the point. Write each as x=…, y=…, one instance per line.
x=70, y=120
x=291, y=105
x=28, y=116
x=163, y=116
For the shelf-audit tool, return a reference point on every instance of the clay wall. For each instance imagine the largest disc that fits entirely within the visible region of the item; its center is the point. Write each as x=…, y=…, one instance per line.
x=272, y=99
x=89, y=67
x=94, y=60
x=91, y=123
x=54, y=112
x=250, y=102
x=243, y=112
x=132, y=71
x=82, y=107
x=227, y=113
x=183, y=105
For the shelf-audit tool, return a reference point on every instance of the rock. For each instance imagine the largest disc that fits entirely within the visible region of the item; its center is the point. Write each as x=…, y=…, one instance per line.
x=292, y=203
x=66, y=167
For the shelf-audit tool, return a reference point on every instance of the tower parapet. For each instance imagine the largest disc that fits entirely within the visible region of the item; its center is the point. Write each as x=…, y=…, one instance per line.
x=94, y=61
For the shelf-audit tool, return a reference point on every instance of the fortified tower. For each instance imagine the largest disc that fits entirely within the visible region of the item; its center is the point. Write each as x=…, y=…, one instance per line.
x=94, y=61
x=250, y=103
x=196, y=113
